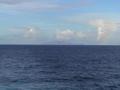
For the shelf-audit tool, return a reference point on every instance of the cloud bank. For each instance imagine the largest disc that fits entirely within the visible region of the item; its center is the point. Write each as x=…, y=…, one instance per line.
x=99, y=24
x=68, y=34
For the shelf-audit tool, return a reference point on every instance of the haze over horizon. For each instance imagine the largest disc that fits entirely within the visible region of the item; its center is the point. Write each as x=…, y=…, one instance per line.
x=72, y=22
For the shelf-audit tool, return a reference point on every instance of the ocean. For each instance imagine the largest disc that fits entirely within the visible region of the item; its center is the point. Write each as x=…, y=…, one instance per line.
x=59, y=67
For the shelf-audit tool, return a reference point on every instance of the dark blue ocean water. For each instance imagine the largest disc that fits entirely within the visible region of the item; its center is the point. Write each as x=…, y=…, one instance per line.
x=59, y=67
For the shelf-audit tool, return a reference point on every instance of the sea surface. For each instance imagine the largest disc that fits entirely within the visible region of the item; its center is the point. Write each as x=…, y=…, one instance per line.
x=54, y=67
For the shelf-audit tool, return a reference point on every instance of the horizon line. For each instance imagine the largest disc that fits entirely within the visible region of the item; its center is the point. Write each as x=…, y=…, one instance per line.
x=59, y=44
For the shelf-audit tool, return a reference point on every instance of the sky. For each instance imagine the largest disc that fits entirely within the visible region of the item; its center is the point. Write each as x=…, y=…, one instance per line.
x=72, y=22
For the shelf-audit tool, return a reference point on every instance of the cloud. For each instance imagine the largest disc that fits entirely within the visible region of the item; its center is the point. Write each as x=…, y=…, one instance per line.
x=28, y=5
x=103, y=23
x=104, y=28
x=12, y=2
x=68, y=34
x=28, y=33
x=42, y=5
x=34, y=6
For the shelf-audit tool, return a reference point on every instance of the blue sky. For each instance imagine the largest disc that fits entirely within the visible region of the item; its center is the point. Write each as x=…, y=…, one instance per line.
x=59, y=22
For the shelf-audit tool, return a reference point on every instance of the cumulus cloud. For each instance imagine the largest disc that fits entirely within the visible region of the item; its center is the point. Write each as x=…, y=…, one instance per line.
x=104, y=28
x=28, y=33
x=101, y=22
x=68, y=34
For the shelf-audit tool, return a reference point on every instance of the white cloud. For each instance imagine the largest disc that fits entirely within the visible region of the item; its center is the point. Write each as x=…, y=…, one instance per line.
x=66, y=35
x=28, y=33
x=80, y=34
x=104, y=28
x=104, y=23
